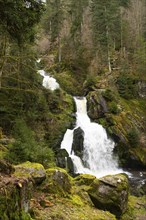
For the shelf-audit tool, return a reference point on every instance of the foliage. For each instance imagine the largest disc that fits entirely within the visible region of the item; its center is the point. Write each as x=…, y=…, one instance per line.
x=108, y=94
x=113, y=108
x=127, y=86
x=18, y=17
x=90, y=81
x=26, y=148
x=133, y=137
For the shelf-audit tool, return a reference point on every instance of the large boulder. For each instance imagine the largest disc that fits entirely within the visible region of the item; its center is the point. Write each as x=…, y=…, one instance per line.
x=57, y=182
x=35, y=171
x=110, y=193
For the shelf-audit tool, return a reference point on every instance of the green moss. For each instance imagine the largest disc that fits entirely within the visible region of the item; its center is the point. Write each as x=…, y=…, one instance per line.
x=57, y=182
x=68, y=82
x=136, y=208
x=76, y=200
x=34, y=170
x=84, y=179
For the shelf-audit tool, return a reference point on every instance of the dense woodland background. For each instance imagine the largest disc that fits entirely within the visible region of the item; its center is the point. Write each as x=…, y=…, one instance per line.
x=86, y=45
x=93, y=48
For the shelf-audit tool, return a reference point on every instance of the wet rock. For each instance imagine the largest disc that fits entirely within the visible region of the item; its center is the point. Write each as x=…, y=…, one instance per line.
x=70, y=166
x=35, y=171
x=110, y=193
x=78, y=139
x=61, y=158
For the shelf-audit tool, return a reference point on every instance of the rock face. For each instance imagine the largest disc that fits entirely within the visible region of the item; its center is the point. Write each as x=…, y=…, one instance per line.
x=35, y=171
x=110, y=193
x=97, y=106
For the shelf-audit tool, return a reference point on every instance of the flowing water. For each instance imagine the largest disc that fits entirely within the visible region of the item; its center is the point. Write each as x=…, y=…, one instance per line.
x=48, y=82
x=98, y=158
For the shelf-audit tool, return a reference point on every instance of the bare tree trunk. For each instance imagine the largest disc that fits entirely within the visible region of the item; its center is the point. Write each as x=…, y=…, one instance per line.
x=3, y=60
x=59, y=48
x=108, y=47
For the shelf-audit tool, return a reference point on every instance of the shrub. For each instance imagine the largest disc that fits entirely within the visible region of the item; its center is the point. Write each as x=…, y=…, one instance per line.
x=26, y=148
x=108, y=95
x=133, y=137
x=113, y=108
x=127, y=86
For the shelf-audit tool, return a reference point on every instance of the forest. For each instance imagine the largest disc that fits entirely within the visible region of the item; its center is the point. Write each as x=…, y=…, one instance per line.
x=94, y=49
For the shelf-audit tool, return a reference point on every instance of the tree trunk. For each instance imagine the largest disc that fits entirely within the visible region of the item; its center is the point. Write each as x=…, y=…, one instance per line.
x=108, y=47
x=59, y=48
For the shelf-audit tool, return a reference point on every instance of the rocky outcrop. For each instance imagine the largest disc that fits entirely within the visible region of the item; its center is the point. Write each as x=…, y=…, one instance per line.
x=110, y=193
x=124, y=122
x=35, y=171
x=97, y=106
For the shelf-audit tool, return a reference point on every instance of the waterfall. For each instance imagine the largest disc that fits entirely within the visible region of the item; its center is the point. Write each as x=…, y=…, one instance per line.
x=48, y=82
x=98, y=158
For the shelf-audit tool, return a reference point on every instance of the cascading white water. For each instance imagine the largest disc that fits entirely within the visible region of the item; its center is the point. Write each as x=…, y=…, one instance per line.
x=98, y=148
x=48, y=82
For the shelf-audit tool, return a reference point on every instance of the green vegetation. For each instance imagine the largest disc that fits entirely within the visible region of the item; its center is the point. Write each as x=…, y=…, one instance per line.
x=26, y=147
x=127, y=86
x=133, y=137
x=94, y=48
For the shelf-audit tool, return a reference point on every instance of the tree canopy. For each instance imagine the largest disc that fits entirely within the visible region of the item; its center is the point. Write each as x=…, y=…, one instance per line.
x=17, y=17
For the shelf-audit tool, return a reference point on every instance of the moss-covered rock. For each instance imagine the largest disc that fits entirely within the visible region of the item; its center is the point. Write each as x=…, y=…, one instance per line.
x=136, y=209
x=15, y=194
x=34, y=170
x=84, y=179
x=125, y=122
x=57, y=182
x=110, y=193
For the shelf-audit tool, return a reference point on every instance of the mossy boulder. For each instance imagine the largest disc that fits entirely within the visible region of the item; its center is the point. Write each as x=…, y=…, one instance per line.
x=15, y=194
x=35, y=171
x=57, y=182
x=84, y=179
x=110, y=193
